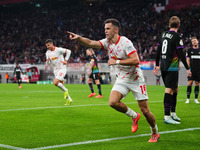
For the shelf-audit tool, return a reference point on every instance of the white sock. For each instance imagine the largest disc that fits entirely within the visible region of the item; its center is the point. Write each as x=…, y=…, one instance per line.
x=167, y=117
x=69, y=98
x=62, y=87
x=173, y=114
x=131, y=113
x=154, y=130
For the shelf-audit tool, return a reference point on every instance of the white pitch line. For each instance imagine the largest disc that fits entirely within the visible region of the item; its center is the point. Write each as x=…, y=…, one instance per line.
x=87, y=105
x=111, y=139
x=95, y=141
x=12, y=147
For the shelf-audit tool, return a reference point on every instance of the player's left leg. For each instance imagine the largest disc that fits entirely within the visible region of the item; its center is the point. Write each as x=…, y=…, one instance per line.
x=59, y=82
x=143, y=104
x=19, y=82
x=99, y=89
x=196, y=91
x=115, y=102
x=189, y=89
x=173, y=106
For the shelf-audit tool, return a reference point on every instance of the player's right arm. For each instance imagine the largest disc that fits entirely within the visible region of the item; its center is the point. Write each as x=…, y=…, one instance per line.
x=47, y=59
x=91, y=66
x=84, y=41
x=156, y=68
x=14, y=72
x=188, y=57
x=188, y=61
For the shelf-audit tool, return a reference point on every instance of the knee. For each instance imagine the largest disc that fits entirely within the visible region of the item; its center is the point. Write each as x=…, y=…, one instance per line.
x=145, y=111
x=55, y=83
x=112, y=104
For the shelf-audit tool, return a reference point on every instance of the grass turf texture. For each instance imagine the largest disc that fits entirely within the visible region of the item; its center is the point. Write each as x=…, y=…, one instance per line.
x=35, y=116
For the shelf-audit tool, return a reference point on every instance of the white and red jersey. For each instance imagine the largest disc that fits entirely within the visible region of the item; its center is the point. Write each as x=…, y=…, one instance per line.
x=56, y=57
x=121, y=51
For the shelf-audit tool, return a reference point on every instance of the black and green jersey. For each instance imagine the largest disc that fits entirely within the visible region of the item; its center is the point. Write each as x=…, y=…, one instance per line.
x=18, y=71
x=194, y=55
x=95, y=68
x=170, y=46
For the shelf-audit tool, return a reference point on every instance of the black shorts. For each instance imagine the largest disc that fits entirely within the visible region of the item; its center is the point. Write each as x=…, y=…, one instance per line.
x=95, y=76
x=170, y=79
x=195, y=75
x=18, y=77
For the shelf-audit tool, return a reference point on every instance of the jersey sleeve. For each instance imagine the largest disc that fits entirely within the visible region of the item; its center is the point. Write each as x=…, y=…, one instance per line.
x=47, y=57
x=68, y=53
x=179, y=43
x=158, y=52
x=130, y=49
x=188, y=53
x=104, y=43
x=61, y=50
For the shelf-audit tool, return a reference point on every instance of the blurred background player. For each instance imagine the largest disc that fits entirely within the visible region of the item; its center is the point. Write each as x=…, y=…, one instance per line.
x=170, y=47
x=158, y=79
x=7, y=77
x=0, y=78
x=54, y=55
x=193, y=60
x=93, y=73
x=18, y=71
x=29, y=76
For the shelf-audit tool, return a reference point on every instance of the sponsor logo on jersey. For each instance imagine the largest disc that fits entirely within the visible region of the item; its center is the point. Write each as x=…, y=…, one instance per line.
x=181, y=42
x=54, y=58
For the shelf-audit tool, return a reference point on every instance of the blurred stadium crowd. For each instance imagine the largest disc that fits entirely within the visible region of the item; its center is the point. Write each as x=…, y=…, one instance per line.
x=24, y=31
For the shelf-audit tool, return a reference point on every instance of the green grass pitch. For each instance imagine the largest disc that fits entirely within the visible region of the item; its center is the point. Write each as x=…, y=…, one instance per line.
x=35, y=117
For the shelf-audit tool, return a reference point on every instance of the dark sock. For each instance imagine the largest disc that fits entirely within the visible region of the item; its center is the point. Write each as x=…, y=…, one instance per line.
x=167, y=101
x=173, y=104
x=18, y=82
x=196, y=91
x=91, y=87
x=99, y=88
x=189, y=89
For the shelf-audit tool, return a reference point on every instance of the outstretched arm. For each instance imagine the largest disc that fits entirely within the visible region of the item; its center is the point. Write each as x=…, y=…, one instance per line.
x=84, y=41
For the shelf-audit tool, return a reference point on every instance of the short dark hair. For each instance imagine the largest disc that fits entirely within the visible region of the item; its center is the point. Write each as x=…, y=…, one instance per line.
x=115, y=22
x=174, y=22
x=48, y=41
x=194, y=37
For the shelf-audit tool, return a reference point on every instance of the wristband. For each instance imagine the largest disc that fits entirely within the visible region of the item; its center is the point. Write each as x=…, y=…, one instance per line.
x=117, y=62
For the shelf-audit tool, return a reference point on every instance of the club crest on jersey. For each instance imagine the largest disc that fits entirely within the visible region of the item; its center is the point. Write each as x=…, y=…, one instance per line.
x=181, y=42
x=54, y=58
x=114, y=57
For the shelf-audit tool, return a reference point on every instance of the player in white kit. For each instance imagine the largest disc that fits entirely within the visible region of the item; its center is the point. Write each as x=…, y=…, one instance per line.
x=54, y=55
x=124, y=58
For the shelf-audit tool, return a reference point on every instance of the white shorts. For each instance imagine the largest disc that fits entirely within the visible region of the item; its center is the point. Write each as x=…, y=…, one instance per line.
x=60, y=74
x=137, y=88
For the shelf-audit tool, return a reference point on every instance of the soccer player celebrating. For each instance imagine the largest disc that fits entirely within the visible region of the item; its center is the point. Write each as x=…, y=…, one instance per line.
x=193, y=60
x=93, y=73
x=171, y=49
x=124, y=58
x=54, y=55
x=18, y=71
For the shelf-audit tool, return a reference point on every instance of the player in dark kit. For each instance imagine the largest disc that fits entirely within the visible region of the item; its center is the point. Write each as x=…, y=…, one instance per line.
x=93, y=73
x=193, y=60
x=170, y=48
x=18, y=71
